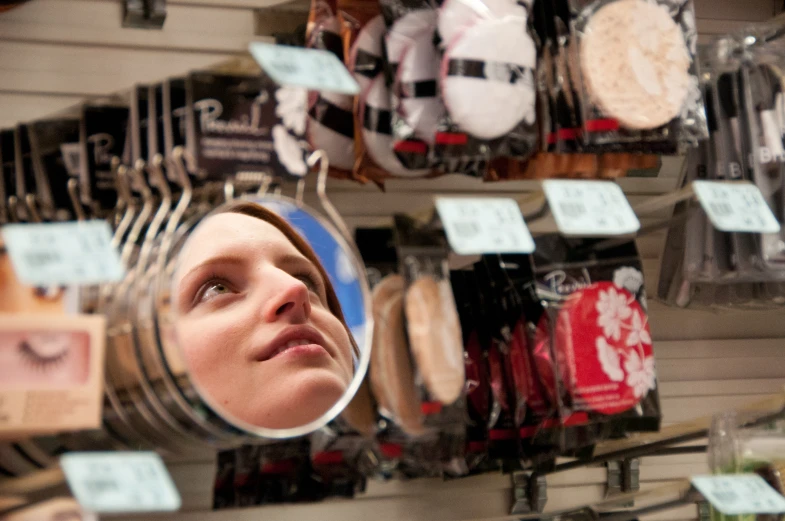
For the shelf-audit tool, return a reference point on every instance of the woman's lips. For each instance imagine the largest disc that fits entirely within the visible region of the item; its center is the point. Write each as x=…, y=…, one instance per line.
x=300, y=349
x=295, y=340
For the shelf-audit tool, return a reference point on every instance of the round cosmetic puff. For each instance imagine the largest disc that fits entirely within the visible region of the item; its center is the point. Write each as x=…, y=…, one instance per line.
x=405, y=30
x=635, y=63
x=435, y=337
x=603, y=348
x=415, y=85
x=365, y=56
x=331, y=128
x=487, y=79
x=393, y=376
x=456, y=15
x=375, y=115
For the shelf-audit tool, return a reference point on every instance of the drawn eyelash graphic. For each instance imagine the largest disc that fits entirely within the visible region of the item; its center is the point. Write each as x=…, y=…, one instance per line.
x=40, y=361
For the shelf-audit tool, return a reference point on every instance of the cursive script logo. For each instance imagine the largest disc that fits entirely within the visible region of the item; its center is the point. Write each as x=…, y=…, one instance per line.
x=102, y=147
x=559, y=282
x=211, y=109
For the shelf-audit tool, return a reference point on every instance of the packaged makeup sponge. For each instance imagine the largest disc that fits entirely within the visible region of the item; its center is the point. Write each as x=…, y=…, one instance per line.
x=330, y=120
x=486, y=80
x=636, y=60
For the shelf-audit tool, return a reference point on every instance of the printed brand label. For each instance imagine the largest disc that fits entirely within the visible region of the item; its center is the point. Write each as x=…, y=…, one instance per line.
x=735, y=207
x=61, y=254
x=736, y=494
x=484, y=225
x=314, y=69
x=115, y=482
x=590, y=208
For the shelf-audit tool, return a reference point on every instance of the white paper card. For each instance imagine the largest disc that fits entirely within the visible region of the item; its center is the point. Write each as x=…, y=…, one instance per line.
x=735, y=207
x=115, y=482
x=314, y=69
x=735, y=494
x=62, y=254
x=484, y=225
x=590, y=208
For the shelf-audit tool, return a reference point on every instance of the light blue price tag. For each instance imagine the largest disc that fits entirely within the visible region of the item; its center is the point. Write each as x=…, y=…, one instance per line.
x=737, y=494
x=118, y=482
x=62, y=254
x=475, y=226
x=314, y=69
x=735, y=207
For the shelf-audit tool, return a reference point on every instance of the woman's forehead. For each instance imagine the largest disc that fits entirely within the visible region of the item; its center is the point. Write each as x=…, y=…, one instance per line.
x=235, y=232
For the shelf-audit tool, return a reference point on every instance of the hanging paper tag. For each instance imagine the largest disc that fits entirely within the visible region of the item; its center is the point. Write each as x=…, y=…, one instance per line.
x=484, y=225
x=736, y=494
x=590, y=208
x=314, y=69
x=735, y=207
x=114, y=482
x=63, y=253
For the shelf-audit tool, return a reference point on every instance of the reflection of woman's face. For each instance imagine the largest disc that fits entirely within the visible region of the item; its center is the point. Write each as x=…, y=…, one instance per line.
x=46, y=358
x=254, y=324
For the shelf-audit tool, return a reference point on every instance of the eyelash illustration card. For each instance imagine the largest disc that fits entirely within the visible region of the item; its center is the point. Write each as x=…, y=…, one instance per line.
x=51, y=373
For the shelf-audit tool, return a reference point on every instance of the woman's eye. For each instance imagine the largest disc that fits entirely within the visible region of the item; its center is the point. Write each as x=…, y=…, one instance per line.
x=309, y=282
x=211, y=290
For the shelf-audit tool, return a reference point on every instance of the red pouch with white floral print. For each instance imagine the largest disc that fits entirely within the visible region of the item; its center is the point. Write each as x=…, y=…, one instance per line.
x=593, y=350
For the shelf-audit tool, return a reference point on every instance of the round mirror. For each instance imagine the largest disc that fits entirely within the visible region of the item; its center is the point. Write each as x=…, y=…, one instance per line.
x=271, y=313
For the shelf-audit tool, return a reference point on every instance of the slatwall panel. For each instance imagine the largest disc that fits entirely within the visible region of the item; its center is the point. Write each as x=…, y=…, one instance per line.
x=55, y=53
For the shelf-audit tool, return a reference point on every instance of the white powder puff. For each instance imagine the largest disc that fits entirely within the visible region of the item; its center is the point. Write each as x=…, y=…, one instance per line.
x=289, y=152
x=490, y=107
x=628, y=278
x=291, y=107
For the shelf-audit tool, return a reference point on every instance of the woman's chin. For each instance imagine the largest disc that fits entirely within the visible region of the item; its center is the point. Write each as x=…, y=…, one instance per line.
x=301, y=398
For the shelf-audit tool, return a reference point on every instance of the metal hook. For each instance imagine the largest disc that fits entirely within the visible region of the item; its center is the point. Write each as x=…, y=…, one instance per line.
x=32, y=206
x=320, y=157
x=181, y=158
x=13, y=209
x=73, y=194
x=267, y=180
x=229, y=190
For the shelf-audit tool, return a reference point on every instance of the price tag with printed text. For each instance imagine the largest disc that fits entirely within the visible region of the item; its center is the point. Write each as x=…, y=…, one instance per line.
x=115, y=482
x=736, y=494
x=484, y=225
x=314, y=69
x=63, y=253
x=735, y=207
x=590, y=208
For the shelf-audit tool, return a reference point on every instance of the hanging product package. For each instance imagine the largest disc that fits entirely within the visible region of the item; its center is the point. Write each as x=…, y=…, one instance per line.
x=102, y=137
x=426, y=355
x=485, y=53
x=593, y=336
x=330, y=118
x=245, y=124
x=638, y=74
x=365, y=30
x=50, y=142
x=411, y=70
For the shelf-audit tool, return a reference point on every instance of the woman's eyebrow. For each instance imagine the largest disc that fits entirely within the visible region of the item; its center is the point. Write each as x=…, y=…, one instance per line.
x=293, y=260
x=215, y=260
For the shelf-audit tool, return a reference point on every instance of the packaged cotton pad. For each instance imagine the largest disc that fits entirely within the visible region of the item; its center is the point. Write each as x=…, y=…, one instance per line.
x=492, y=61
x=636, y=61
x=415, y=87
x=330, y=121
x=375, y=116
x=486, y=80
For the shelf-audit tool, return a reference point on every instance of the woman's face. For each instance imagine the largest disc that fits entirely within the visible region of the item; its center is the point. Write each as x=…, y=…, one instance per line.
x=254, y=324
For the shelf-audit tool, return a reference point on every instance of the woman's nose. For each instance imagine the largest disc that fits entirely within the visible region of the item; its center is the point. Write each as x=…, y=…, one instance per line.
x=290, y=301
